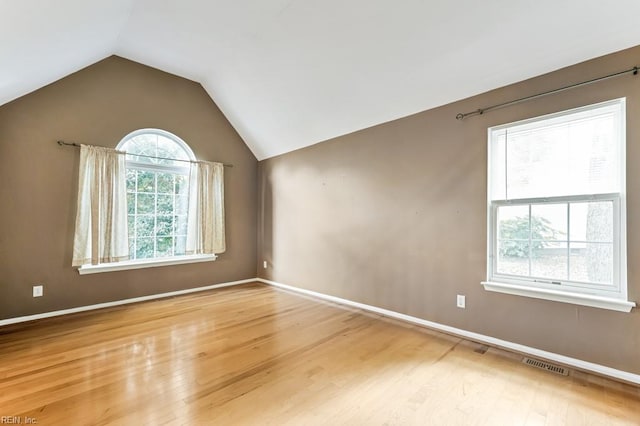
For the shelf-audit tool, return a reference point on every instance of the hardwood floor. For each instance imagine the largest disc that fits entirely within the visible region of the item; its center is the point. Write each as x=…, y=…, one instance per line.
x=252, y=354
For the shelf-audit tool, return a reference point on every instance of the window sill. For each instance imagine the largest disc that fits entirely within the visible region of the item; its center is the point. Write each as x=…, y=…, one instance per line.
x=561, y=296
x=146, y=263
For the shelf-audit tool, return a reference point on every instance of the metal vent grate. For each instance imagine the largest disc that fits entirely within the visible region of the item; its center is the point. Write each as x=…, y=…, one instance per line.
x=546, y=366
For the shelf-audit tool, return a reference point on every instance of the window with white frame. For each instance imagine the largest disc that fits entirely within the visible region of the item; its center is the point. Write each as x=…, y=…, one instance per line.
x=556, y=208
x=157, y=193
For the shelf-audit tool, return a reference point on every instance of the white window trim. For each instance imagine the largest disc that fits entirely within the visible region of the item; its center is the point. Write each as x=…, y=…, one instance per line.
x=618, y=301
x=145, y=263
x=561, y=296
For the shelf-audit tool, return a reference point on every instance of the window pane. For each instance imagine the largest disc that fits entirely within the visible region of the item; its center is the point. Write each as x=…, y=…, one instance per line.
x=145, y=226
x=498, y=163
x=146, y=181
x=131, y=180
x=549, y=222
x=592, y=221
x=144, y=248
x=549, y=260
x=180, y=223
x=180, y=245
x=536, y=163
x=131, y=203
x=570, y=154
x=131, y=225
x=592, y=262
x=168, y=148
x=146, y=203
x=182, y=204
x=513, y=222
x=182, y=184
x=144, y=144
x=164, y=246
x=164, y=225
x=165, y=183
x=594, y=157
x=165, y=204
x=513, y=257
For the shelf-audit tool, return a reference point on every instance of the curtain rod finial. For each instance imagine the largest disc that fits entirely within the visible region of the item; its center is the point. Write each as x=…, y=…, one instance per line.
x=459, y=116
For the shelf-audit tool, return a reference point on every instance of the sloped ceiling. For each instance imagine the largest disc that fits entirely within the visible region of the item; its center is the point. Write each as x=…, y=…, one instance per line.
x=288, y=74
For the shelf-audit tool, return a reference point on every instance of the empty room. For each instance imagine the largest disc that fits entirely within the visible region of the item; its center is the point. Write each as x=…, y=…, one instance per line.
x=285, y=212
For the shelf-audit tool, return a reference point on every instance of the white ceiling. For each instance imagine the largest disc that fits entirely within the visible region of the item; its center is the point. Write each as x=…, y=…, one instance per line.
x=288, y=74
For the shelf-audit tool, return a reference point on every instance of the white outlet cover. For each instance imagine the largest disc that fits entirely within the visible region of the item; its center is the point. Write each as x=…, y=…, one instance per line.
x=461, y=301
x=37, y=290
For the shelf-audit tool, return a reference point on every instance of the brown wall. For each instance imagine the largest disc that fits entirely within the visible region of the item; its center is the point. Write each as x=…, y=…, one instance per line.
x=395, y=216
x=38, y=183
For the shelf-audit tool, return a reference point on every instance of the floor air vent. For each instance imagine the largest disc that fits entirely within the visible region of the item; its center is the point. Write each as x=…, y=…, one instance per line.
x=546, y=366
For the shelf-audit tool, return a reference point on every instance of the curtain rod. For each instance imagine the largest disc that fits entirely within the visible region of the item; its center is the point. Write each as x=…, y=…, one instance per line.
x=479, y=111
x=61, y=143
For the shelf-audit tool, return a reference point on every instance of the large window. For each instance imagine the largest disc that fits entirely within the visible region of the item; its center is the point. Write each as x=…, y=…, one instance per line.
x=557, y=205
x=157, y=193
x=149, y=203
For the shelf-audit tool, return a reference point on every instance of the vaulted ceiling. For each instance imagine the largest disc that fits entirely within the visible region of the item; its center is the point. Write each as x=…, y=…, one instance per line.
x=291, y=73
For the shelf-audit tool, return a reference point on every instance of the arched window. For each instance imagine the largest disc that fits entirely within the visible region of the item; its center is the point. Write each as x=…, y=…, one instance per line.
x=157, y=193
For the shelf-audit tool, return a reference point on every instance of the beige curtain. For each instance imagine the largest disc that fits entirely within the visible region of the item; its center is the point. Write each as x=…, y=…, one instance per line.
x=205, y=222
x=101, y=218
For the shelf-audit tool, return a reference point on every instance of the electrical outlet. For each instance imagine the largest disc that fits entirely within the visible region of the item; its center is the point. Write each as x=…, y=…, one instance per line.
x=461, y=301
x=264, y=264
x=38, y=291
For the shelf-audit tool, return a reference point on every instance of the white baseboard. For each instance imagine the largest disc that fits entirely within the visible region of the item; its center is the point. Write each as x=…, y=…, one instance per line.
x=119, y=302
x=515, y=347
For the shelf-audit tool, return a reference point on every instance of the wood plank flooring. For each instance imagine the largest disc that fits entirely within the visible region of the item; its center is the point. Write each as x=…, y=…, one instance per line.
x=252, y=354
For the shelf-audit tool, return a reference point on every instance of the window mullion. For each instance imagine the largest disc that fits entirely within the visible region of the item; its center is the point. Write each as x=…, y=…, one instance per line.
x=568, y=241
x=494, y=239
x=135, y=219
x=155, y=215
x=506, y=169
x=530, y=242
x=173, y=216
